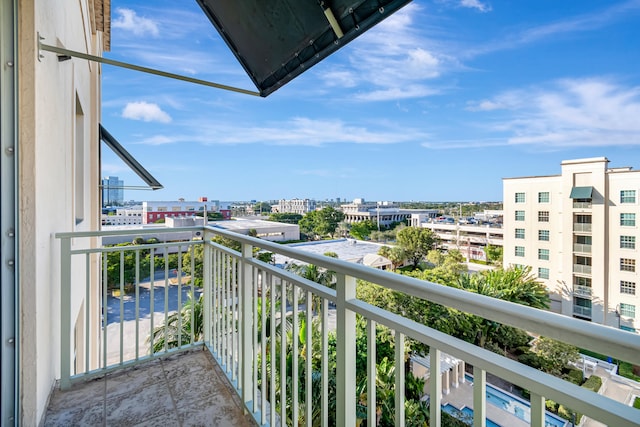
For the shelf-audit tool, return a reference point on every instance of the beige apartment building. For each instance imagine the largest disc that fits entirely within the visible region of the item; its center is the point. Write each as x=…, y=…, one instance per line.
x=578, y=232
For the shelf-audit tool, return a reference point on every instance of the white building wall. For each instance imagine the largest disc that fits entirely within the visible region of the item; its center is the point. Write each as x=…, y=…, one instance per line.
x=604, y=252
x=59, y=110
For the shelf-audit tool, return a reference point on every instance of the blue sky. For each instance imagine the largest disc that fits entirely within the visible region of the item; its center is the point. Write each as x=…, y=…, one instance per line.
x=439, y=102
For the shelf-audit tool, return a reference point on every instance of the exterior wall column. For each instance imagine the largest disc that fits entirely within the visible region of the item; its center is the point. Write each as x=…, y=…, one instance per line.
x=445, y=382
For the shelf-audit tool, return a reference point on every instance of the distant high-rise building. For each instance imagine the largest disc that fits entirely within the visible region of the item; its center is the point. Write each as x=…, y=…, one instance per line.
x=112, y=191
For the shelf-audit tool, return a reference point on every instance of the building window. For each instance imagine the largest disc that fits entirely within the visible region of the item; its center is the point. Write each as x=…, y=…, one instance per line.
x=627, y=328
x=519, y=215
x=543, y=273
x=519, y=197
x=519, y=250
x=627, y=264
x=543, y=197
x=628, y=310
x=628, y=219
x=543, y=216
x=543, y=254
x=543, y=235
x=582, y=281
x=628, y=242
x=628, y=196
x=519, y=233
x=628, y=288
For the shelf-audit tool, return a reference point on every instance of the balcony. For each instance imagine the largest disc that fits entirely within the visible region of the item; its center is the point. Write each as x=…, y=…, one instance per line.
x=582, y=248
x=582, y=227
x=582, y=205
x=582, y=311
x=582, y=269
x=582, y=291
x=246, y=304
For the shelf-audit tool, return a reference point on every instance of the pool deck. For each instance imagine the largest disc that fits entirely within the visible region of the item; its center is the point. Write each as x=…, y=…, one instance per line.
x=463, y=396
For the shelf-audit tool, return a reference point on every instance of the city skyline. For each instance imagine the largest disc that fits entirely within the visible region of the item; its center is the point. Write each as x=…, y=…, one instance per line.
x=439, y=102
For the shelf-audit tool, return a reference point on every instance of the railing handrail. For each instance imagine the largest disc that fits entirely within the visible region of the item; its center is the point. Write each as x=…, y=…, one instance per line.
x=601, y=338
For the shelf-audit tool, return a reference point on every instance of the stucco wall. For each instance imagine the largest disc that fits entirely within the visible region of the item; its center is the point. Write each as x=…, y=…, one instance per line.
x=49, y=93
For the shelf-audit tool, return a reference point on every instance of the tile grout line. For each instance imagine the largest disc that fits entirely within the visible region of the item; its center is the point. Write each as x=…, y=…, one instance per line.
x=173, y=399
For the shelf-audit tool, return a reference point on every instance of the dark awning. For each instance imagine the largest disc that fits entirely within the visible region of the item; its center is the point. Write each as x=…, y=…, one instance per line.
x=126, y=157
x=581, y=192
x=275, y=41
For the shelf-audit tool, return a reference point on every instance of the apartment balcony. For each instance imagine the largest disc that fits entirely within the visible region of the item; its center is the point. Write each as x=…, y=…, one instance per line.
x=582, y=269
x=582, y=311
x=582, y=227
x=249, y=347
x=582, y=291
x=581, y=248
x=581, y=205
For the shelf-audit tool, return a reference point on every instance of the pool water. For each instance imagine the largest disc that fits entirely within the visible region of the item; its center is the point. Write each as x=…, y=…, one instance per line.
x=465, y=414
x=516, y=406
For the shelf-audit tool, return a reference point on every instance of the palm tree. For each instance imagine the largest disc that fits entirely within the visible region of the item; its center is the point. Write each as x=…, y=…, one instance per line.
x=180, y=326
x=315, y=274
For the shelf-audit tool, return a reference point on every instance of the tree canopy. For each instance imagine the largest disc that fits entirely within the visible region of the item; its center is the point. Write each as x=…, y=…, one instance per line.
x=321, y=223
x=416, y=242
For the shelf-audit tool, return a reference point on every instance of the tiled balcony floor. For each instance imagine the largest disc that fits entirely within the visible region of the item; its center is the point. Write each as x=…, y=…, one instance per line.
x=184, y=389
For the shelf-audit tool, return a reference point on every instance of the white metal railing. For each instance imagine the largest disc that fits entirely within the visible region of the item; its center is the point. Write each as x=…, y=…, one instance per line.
x=256, y=318
x=581, y=269
x=582, y=247
x=582, y=291
x=582, y=205
x=582, y=227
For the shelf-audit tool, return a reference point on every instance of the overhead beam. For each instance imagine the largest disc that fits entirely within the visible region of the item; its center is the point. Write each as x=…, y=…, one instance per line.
x=64, y=54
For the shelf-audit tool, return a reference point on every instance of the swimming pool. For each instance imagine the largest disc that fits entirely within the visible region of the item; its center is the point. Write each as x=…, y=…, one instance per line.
x=465, y=414
x=516, y=406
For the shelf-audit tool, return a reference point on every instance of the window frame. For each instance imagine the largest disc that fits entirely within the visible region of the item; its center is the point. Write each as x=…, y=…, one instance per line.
x=627, y=198
x=543, y=216
x=519, y=234
x=628, y=264
x=627, y=287
x=543, y=254
x=520, y=215
x=628, y=219
x=544, y=197
x=544, y=235
x=543, y=273
x=627, y=242
x=627, y=310
x=520, y=197
x=519, y=251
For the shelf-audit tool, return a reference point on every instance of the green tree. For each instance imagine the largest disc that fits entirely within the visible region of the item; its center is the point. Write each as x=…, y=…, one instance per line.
x=416, y=242
x=321, y=223
x=180, y=327
x=494, y=254
x=361, y=230
x=555, y=355
x=262, y=208
x=286, y=217
x=394, y=254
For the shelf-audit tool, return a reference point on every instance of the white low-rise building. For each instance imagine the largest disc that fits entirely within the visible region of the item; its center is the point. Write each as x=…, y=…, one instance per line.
x=381, y=213
x=298, y=206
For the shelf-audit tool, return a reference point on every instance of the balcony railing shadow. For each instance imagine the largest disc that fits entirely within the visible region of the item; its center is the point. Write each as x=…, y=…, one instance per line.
x=269, y=329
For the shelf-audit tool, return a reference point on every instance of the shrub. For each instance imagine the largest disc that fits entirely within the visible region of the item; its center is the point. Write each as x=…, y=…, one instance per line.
x=551, y=406
x=530, y=359
x=568, y=414
x=574, y=375
x=593, y=383
x=636, y=403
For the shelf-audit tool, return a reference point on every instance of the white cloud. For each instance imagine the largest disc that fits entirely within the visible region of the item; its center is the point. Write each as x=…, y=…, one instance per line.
x=392, y=60
x=568, y=113
x=145, y=111
x=475, y=4
x=297, y=131
x=128, y=20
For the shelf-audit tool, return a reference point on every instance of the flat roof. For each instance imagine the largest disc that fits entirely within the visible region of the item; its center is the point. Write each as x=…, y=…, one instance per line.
x=347, y=249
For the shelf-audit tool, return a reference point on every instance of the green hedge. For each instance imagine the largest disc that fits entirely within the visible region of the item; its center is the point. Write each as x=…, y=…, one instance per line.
x=636, y=403
x=593, y=383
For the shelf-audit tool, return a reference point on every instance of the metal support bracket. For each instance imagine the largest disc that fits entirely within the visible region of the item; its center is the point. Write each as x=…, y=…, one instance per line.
x=64, y=54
